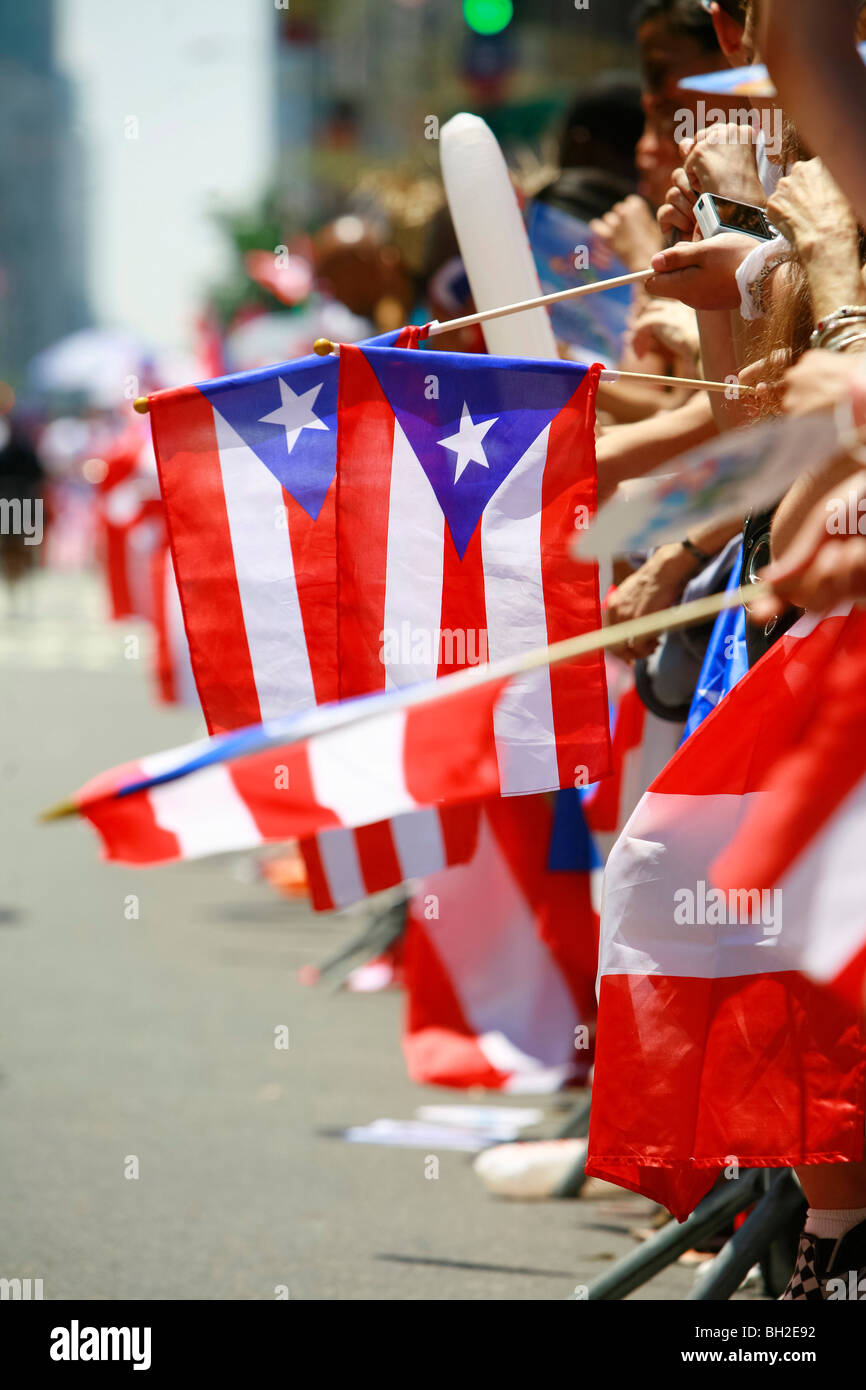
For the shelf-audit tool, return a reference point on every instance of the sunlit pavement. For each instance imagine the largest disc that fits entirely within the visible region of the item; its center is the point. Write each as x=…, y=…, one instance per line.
x=148, y=1043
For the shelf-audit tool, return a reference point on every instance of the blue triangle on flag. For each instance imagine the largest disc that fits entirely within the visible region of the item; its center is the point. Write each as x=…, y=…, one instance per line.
x=298, y=444
x=489, y=410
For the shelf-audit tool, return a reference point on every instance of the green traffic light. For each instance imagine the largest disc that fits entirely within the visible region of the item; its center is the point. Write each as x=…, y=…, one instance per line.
x=488, y=16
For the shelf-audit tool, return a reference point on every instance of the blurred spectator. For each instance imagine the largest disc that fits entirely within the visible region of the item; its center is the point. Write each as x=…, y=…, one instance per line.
x=356, y=265
x=21, y=477
x=676, y=39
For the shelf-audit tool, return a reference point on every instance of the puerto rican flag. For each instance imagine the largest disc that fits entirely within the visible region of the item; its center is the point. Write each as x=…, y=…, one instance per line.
x=344, y=866
x=247, y=466
x=713, y=1044
x=172, y=669
x=333, y=768
x=461, y=480
x=805, y=834
x=499, y=960
x=131, y=523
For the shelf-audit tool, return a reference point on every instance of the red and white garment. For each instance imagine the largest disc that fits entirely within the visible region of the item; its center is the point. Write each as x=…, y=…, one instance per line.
x=499, y=962
x=713, y=1043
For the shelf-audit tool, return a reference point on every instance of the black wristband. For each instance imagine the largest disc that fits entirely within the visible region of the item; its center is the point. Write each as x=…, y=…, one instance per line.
x=696, y=552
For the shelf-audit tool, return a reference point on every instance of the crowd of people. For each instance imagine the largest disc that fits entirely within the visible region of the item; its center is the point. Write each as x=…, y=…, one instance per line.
x=784, y=316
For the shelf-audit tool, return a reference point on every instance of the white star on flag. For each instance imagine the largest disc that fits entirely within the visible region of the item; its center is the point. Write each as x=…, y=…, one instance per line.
x=295, y=413
x=466, y=444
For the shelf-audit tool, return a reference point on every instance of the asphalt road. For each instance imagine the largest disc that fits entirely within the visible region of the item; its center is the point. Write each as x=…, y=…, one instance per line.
x=153, y=1038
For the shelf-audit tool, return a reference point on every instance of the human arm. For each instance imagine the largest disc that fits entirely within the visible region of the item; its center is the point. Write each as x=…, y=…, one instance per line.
x=660, y=581
x=812, y=56
x=630, y=451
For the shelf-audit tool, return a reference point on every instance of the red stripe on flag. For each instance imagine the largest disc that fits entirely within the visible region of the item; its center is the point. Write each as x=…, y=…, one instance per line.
x=459, y=826
x=278, y=789
x=116, y=542
x=320, y=888
x=365, y=443
x=126, y=825
x=185, y=443
x=378, y=856
x=464, y=724
x=314, y=554
x=438, y=1043
x=578, y=688
x=773, y=1076
x=463, y=615
x=460, y=831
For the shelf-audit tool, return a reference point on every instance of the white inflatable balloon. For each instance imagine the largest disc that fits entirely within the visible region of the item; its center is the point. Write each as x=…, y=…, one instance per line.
x=492, y=237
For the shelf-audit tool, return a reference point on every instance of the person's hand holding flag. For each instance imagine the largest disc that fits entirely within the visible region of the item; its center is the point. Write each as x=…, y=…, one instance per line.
x=825, y=563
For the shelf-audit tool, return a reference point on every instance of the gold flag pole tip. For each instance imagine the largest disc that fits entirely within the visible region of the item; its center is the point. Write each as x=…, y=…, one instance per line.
x=141, y=404
x=322, y=347
x=61, y=811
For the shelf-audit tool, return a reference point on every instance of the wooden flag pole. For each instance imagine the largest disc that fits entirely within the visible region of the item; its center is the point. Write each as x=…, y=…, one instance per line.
x=323, y=347
x=618, y=635
x=693, y=383
x=540, y=302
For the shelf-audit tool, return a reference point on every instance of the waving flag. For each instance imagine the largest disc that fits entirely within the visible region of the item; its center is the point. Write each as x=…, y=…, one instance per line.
x=499, y=961
x=333, y=768
x=246, y=468
x=132, y=523
x=712, y=1044
x=344, y=866
x=461, y=481
x=805, y=834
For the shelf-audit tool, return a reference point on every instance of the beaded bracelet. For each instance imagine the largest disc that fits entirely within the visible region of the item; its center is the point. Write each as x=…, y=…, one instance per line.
x=837, y=322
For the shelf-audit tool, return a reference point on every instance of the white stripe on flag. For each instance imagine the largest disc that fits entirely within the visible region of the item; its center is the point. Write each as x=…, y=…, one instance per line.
x=413, y=578
x=205, y=811
x=523, y=1073
x=184, y=683
x=341, y=865
x=362, y=779
x=516, y=622
x=265, y=576
x=419, y=842
x=667, y=849
x=823, y=891
x=505, y=978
